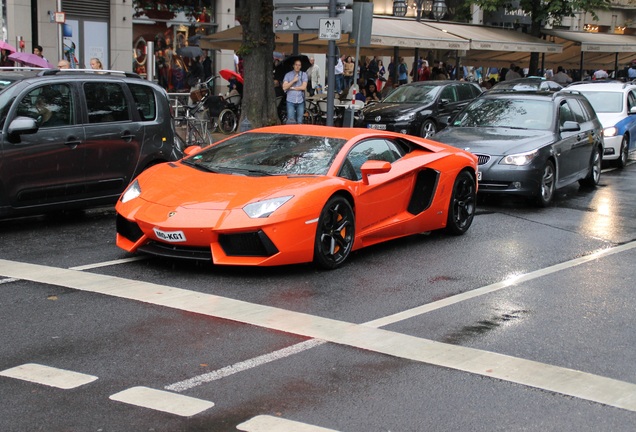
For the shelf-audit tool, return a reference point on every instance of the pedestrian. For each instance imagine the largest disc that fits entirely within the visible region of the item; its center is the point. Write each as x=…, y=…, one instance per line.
x=372, y=94
x=4, y=59
x=294, y=85
x=339, y=75
x=195, y=74
x=513, y=72
x=96, y=63
x=600, y=74
x=561, y=77
x=424, y=73
x=631, y=72
x=381, y=78
x=349, y=68
x=63, y=64
x=403, y=72
x=313, y=74
x=39, y=51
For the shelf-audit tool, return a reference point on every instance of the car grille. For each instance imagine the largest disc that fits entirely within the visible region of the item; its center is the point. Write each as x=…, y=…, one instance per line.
x=128, y=229
x=482, y=159
x=176, y=251
x=247, y=244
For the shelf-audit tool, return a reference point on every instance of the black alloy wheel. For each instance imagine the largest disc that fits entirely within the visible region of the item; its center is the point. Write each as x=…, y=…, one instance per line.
x=335, y=233
x=461, y=210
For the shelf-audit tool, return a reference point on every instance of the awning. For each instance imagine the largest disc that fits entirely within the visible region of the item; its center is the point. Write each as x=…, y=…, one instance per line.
x=597, y=42
x=386, y=33
x=408, y=33
x=497, y=39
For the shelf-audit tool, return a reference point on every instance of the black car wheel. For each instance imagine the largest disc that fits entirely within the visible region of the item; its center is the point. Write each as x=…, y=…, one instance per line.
x=335, y=233
x=547, y=186
x=428, y=128
x=461, y=210
x=624, y=153
x=594, y=174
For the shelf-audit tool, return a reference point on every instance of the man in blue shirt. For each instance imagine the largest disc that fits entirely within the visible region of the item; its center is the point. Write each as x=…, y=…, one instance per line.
x=294, y=84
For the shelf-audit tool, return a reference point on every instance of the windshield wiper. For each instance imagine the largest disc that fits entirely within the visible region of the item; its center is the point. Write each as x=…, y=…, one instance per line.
x=199, y=166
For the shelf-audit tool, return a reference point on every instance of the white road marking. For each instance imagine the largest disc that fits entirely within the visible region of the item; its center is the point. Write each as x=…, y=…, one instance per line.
x=265, y=423
x=110, y=263
x=244, y=365
x=534, y=374
x=164, y=401
x=49, y=376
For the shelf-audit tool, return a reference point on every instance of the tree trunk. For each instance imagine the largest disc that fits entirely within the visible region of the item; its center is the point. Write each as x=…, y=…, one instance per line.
x=258, y=102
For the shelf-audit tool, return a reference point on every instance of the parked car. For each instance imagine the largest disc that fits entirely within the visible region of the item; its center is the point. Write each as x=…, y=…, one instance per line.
x=615, y=105
x=73, y=139
x=297, y=193
x=421, y=108
x=527, y=84
x=530, y=143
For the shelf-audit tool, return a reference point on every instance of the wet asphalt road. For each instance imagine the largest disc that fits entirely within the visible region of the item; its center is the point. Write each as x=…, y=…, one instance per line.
x=578, y=317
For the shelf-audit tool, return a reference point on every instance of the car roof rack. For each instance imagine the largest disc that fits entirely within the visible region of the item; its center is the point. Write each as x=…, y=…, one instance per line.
x=20, y=68
x=47, y=72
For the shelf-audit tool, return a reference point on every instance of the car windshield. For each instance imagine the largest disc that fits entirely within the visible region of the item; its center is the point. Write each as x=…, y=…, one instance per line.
x=261, y=154
x=507, y=113
x=605, y=102
x=421, y=94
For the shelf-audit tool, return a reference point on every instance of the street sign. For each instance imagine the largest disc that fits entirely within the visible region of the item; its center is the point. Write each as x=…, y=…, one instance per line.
x=329, y=29
x=306, y=20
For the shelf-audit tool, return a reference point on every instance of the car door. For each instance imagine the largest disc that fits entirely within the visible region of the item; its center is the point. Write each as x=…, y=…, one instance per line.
x=114, y=134
x=448, y=104
x=47, y=166
x=384, y=196
x=587, y=137
x=568, y=164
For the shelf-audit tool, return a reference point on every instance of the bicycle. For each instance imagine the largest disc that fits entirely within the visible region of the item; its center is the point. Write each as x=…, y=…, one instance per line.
x=197, y=131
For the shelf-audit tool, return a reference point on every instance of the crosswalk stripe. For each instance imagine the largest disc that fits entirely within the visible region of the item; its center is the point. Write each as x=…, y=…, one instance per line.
x=49, y=376
x=266, y=423
x=161, y=400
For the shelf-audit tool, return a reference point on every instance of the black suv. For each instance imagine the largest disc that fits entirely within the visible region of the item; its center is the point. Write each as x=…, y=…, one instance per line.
x=420, y=108
x=75, y=139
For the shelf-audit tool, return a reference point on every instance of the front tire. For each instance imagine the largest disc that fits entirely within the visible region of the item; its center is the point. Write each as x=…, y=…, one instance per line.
x=594, y=174
x=428, y=129
x=335, y=233
x=461, y=210
x=548, y=185
x=624, y=153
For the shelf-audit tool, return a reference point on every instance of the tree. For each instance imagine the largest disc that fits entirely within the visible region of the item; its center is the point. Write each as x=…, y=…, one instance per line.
x=541, y=12
x=258, y=102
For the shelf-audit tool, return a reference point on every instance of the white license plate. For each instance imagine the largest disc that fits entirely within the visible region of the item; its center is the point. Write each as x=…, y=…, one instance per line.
x=478, y=175
x=376, y=126
x=170, y=236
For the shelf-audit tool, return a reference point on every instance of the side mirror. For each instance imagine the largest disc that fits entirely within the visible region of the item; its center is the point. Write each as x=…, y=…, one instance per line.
x=570, y=126
x=632, y=110
x=23, y=125
x=373, y=167
x=191, y=150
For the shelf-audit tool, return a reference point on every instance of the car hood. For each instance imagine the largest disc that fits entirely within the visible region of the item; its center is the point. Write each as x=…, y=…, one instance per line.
x=494, y=141
x=387, y=109
x=610, y=119
x=178, y=185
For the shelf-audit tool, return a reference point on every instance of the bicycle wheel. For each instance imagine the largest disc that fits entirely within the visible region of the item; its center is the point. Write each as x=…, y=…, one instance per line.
x=228, y=121
x=198, y=134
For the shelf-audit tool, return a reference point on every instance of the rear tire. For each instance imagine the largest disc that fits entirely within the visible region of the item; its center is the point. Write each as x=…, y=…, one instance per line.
x=594, y=174
x=624, y=153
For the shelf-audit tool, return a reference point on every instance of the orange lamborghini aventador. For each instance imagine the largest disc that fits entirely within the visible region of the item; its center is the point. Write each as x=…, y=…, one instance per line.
x=294, y=194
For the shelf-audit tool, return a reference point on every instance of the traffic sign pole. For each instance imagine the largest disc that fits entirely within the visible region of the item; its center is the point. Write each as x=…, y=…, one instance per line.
x=331, y=67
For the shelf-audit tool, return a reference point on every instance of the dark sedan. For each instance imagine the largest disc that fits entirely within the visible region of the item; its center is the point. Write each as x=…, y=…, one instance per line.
x=420, y=108
x=530, y=143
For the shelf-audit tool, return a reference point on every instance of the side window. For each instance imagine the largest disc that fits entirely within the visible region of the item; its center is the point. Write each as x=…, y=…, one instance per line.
x=145, y=100
x=631, y=101
x=565, y=113
x=577, y=111
x=373, y=149
x=105, y=102
x=448, y=93
x=50, y=105
x=464, y=92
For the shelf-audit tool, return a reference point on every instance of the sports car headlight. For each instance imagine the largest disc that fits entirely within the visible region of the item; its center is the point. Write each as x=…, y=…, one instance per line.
x=520, y=159
x=132, y=192
x=262, y=209
x=405, y=117
x=610, y=131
